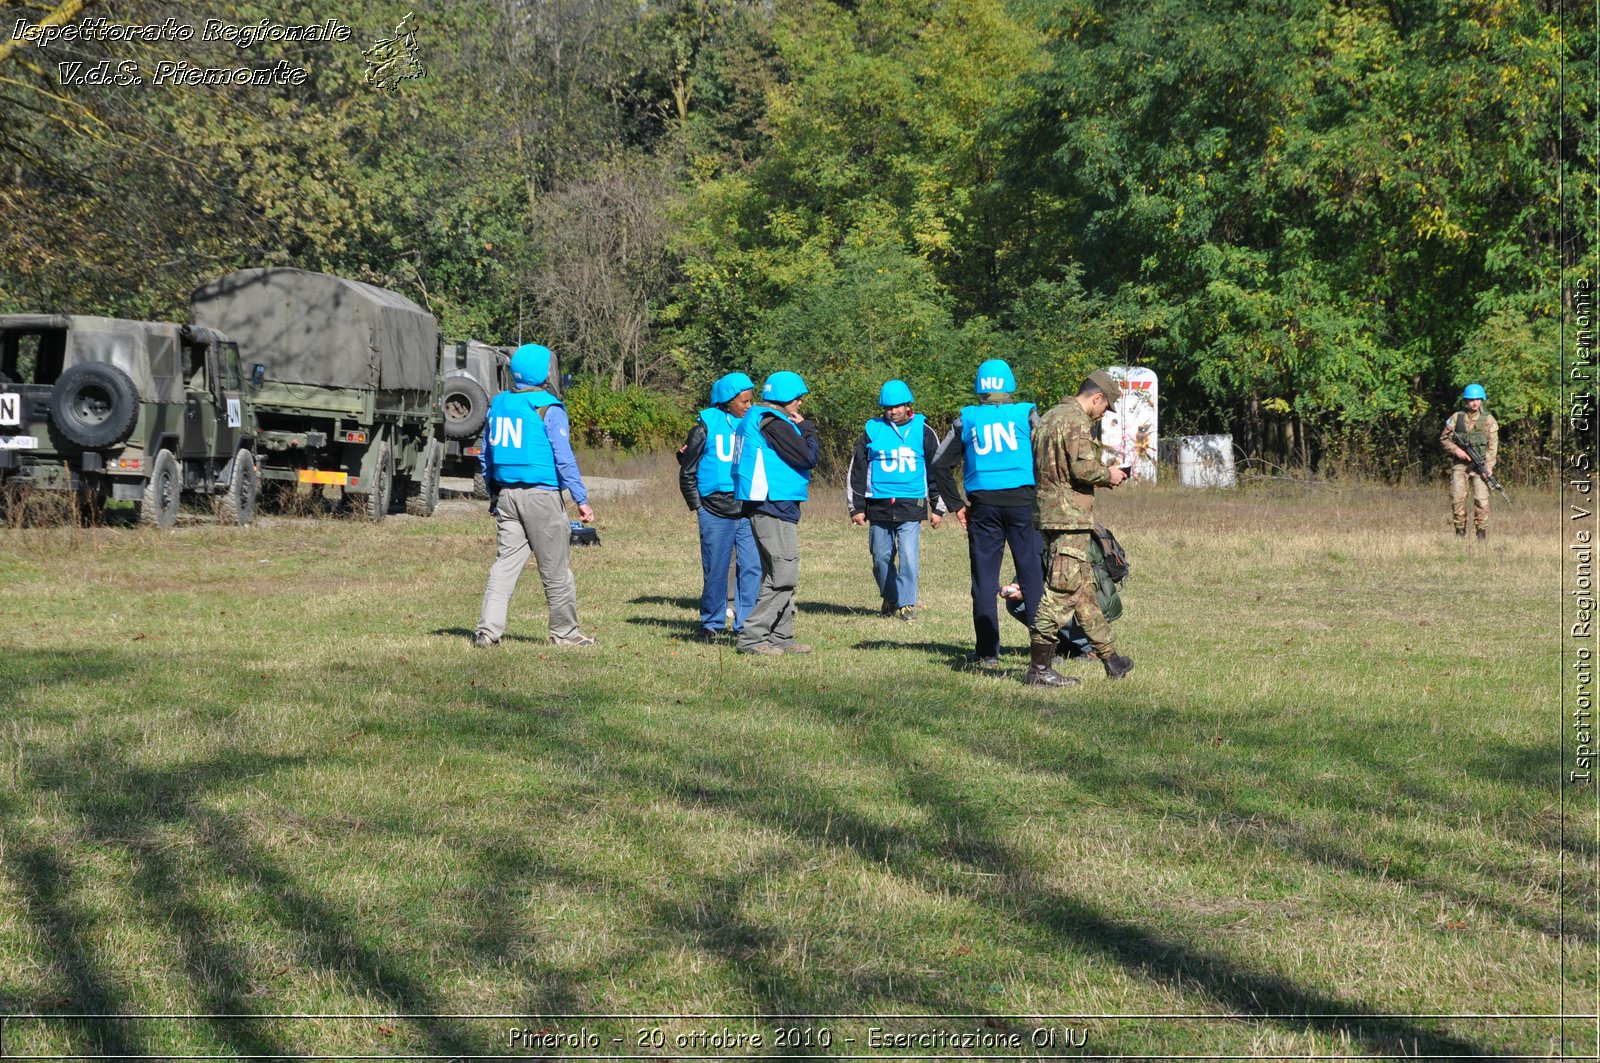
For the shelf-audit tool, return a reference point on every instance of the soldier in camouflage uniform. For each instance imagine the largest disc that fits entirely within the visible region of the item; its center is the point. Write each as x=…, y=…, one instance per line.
x=1068, y=469
x=1477, y=426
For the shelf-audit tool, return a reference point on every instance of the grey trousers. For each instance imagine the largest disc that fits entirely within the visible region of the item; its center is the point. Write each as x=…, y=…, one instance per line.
x=772, y=619
x=529, y=518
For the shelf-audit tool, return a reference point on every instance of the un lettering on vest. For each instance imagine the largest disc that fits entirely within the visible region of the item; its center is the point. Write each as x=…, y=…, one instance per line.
x=725, y=448
x=995, y=437
x=902, y=460
x=506, y=432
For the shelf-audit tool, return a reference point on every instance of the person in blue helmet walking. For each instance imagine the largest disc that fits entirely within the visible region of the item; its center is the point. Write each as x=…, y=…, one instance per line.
x=527, y=463
x=705, y=477
x=993, y=442
x=774, y=454
x=887, y=489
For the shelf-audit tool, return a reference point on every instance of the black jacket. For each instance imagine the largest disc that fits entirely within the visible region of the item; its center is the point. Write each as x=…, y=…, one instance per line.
x=722, y=503
x=890, y=510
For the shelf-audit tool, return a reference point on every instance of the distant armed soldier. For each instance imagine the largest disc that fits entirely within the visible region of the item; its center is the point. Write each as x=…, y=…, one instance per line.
x=993, y=442
x=1069, y=471
x=1468, y=428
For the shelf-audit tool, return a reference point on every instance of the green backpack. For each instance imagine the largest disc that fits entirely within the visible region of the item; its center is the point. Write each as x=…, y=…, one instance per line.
x=1110, y=563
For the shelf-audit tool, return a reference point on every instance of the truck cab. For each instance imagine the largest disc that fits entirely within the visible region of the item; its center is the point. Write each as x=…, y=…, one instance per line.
x=141, y=411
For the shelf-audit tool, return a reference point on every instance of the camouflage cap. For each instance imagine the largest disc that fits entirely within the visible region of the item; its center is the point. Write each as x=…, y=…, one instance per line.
x=1106, y=383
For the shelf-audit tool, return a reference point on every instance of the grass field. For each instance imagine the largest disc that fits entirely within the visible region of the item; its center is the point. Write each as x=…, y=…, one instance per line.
x=260, y=774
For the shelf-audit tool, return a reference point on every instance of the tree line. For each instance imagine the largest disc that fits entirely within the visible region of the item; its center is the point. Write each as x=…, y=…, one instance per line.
x=1315, y=219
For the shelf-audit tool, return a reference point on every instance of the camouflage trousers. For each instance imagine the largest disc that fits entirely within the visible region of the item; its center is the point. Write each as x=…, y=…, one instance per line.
x=1069, y=593
x=1461, y=479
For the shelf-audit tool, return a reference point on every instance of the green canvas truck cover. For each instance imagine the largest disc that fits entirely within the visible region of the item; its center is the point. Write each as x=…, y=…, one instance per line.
x=148, y=351
x=324, y=331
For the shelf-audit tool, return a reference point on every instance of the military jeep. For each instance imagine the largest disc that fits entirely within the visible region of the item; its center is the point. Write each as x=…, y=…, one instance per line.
x=135, y=410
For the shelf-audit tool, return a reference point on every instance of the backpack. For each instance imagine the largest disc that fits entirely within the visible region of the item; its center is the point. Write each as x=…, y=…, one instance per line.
x=1110, y=563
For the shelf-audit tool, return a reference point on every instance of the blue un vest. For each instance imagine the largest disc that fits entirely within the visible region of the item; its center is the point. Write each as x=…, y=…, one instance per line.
x=716, y=464
x=759, y=474
x=519, y=449
x=896, y=464
x=999, y=450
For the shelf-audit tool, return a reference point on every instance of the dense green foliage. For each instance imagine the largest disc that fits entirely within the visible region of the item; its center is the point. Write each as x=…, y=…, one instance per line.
x=1315, y=219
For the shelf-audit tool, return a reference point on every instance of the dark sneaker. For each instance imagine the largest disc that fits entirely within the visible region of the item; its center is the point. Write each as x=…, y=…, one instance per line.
x=762, y=649
x=885, y=609
x=1118, y=666
x=1049, y=677
x=707, y=634
x=483, y=642
x=794, y=647
x=1483, y=534
x=580, y=639
x=908, y=613
x=978, y=661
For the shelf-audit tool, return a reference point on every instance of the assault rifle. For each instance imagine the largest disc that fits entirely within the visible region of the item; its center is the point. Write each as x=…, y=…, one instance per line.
x=1475, y=459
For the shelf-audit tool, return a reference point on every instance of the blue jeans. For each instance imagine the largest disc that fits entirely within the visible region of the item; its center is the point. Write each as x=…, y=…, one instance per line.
x=721, y=538
x=894, y=560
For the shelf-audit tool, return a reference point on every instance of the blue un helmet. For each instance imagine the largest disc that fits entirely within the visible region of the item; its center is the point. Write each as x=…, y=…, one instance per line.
x=783, y=388
x=1473, y=391
x=530, y=366
x=728, y=386
x=895, y=393
x=994, y=375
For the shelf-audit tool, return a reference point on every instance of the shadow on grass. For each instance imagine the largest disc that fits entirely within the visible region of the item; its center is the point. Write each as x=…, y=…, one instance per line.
x=957, y=843
x=685, y=602
x=987, y=871
x=176, y=853
x=466, y=635
x=956, y=658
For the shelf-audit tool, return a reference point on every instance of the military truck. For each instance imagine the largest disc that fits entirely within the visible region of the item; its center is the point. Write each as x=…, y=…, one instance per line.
x=347, y=383
x=471, y=375
x=135, y=410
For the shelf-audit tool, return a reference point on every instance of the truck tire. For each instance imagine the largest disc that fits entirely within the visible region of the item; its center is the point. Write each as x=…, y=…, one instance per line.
x=479, y=488
x=159, y=507
x=239, y=500
x=466, y=405
x=382, y=492
x=425, y=500
x=94, y=405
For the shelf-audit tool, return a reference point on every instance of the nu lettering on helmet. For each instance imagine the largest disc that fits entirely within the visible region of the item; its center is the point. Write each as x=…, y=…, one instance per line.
x=506, y=432
x=992, y=383
x=990, y=438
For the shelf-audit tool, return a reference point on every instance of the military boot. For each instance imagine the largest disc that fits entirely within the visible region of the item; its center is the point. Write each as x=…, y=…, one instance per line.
x=1040, y=674
x=1483, y=535
x=1118, y=665
x=1461, y=532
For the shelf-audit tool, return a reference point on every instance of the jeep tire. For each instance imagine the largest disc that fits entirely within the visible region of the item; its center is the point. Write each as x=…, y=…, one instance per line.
x=94, y=405
x=382, y=484
x=466, y=406
x=423, y=497
x=244, y=486
x=159, y=507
